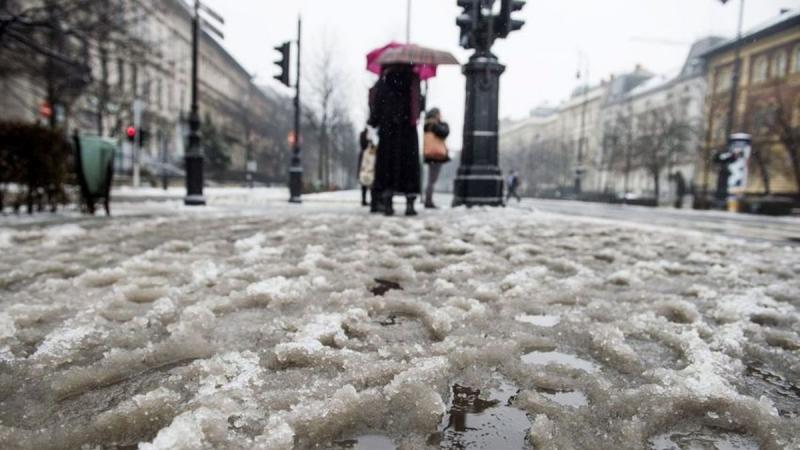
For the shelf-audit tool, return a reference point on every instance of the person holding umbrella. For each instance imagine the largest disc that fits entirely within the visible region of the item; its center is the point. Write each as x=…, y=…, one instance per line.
x=395, y=111
x=395, y=106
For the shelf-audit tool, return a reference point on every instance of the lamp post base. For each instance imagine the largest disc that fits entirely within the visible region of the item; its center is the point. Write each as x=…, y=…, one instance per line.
x=194, y=181
x=478, y=186
x=479, y=180
x=296, y=180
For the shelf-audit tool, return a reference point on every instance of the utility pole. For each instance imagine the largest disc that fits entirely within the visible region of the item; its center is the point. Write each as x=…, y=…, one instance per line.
x=194, y=155
x=408, y=22
x=479, y=180
x=737, y=69
x=579, y=169
x=136, y=147
x=296, y=166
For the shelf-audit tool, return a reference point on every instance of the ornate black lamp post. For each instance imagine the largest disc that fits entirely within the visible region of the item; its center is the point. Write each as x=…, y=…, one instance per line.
x=479, y=180
x=194, y=154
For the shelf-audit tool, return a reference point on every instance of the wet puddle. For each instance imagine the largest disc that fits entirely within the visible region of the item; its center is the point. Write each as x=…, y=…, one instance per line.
x=473, y=422
x=397, y=328
x=656, y=354
x=383, y=286
x=366, y=442
x=574, y=399
x=702, y=438
x=391, y=319
x=564, y=359
x=784, y=394
x=539, y=320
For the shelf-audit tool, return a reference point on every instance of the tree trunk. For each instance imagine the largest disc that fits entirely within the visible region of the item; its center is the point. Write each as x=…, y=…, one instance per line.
x=794, y=156
x=763, y=171
x=657, y=184
x=102, y=97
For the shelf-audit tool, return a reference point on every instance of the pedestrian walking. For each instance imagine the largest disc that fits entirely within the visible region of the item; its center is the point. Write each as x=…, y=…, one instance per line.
x=395, y=111
x=512, y=183
x=366, y=166
x=435, y=151
x=724, y=158
x=680, y=188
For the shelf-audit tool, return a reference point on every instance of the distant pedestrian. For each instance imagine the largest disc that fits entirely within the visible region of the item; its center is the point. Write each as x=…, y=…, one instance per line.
x=723, y=158
x=395, y=111
x=366, y=166
x=434, y=150
x=512, y=184
x=680, y=188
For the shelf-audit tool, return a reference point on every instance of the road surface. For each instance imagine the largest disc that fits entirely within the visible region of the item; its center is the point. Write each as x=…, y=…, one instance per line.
x=743, y=226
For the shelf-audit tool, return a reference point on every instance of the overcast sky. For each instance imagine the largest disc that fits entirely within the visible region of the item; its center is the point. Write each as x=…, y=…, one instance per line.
x=542, y=58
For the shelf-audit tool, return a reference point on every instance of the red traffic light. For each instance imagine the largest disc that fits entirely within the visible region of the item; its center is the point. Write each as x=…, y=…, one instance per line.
x=130, y=132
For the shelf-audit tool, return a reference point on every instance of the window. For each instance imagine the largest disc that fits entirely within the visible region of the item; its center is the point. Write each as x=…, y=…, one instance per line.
x=796, y=66
x=779, y=64
x=718, y=127
x=760, y=69
x=134, y=80
x=170, y=95
x=159, y=94
x=723, y=82
x=121, y=73
x=764, y=119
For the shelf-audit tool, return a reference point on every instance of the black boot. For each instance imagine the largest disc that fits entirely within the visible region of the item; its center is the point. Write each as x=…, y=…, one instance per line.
x=410, y=211
x=376, y=204
x=388, y=207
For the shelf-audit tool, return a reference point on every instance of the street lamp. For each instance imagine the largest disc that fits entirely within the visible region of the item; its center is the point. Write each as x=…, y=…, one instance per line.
x=579, y=169
x=479, y=180
x=723, y=191
x=194, y=155
x=737, y=69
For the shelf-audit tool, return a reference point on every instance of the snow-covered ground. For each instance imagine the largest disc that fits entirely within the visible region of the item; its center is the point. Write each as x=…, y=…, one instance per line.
x=255, y=324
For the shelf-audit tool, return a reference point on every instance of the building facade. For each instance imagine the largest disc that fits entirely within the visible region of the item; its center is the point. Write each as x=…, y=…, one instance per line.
x=652, y=131
x=628, y=136
x=557, y=146
x=767, y=105
x=153, y=76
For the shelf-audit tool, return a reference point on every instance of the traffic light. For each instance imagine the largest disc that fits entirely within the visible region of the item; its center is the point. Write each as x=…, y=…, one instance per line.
x=284, y=49
x=130, y=133
x=468, y=21
x=505, y=23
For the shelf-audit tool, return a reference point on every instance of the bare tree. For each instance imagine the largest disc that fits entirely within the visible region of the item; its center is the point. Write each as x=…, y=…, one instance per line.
x=784, y=125
x=662, y=137
x=621, y=141
x=759, y=121
x=57, y=43
x=328, y=114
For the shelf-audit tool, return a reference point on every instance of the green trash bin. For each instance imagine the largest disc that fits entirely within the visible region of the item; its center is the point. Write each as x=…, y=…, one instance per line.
x=95, y=167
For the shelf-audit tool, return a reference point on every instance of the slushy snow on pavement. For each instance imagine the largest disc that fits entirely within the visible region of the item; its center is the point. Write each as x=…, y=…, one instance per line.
x=271, y=326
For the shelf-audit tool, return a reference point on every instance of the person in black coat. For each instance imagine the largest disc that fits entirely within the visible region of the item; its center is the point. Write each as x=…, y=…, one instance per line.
x=395, y=111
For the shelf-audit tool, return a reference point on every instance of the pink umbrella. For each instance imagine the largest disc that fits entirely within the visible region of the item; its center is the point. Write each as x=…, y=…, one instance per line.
x=425, y=71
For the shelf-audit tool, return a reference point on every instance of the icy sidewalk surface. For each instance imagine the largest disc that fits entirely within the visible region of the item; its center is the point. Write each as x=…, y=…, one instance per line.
x=307, y=328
